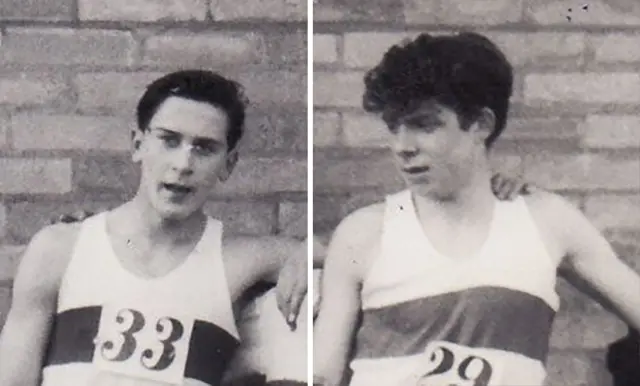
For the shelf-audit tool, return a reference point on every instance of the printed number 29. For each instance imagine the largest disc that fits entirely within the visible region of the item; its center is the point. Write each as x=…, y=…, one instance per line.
x=472, y=368
x=129, y=323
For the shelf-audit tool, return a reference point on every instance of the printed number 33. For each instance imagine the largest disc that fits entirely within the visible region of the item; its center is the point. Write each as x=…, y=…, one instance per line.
x=470, y=369
x=129, y=323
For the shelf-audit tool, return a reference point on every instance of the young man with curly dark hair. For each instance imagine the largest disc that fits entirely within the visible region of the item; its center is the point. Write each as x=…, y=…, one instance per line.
x=443, y=283
x=144, y=294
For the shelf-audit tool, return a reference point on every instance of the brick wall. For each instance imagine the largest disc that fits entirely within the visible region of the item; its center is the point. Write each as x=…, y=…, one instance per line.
x=71, y=72
x=574, y=125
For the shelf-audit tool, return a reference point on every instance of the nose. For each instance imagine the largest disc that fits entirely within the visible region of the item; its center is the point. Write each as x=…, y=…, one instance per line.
x=404, y=142
x=182, y=159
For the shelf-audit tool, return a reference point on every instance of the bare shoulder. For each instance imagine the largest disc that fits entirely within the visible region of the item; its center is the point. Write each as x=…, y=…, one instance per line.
x=549, y=208
x=47, y=254
x=561, y=223
x=356, y=238
x=362, y=225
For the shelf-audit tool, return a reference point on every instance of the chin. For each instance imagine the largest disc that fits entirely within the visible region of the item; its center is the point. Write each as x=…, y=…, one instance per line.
x=174, y=213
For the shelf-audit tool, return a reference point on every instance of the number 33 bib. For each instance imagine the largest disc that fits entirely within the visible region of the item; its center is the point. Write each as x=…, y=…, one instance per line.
x=449, y=364
x=142, y=345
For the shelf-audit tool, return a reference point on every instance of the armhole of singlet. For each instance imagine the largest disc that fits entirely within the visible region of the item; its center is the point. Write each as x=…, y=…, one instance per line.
x=381, y=249
x=534, y=229
x=85, y=228
x=217, y=227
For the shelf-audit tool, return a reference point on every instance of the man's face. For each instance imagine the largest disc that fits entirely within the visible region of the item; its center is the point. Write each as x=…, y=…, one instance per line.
x=434, y=155
x=183, y=154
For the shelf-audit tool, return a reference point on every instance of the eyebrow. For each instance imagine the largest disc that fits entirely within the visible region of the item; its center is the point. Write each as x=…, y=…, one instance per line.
x=205, y=140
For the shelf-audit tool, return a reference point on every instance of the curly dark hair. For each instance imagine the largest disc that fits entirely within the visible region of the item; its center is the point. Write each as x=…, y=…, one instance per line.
x=466, y=72
x=201, y=86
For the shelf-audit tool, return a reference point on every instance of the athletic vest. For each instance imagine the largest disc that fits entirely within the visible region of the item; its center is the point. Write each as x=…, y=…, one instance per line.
x=429, y=319
x=115, y=328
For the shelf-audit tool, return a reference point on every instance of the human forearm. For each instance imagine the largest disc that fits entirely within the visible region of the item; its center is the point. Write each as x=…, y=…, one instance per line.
x=21, y=353
x=334, y=330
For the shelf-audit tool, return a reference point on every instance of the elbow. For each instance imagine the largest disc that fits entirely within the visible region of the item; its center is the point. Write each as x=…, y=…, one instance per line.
x=323, y=380
x=327, y=374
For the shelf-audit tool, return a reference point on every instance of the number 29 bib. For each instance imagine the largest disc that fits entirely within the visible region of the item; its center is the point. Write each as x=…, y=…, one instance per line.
x=142, y=344
x=447, y=364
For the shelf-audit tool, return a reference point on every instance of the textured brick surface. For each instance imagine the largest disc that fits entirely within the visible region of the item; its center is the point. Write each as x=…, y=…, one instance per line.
x=5, y=121
x=355, y=10
x=286, y=174
x=341, y=89
x=31, y=89
x=212, y=49
x=9, y=258
x=481, y=12
x=27, y=175
x=288, y=10
x=292, y=219
x=325, y=48
x=608, y=211
x=616, y=47
x=365, y=49
x=283, y=129
x=26, y=218
x=591, y=88
x=65, y=46
x=326, y=128
x=244, y=217
x=111, y=91
x=36, y=10
x=598, y=12
x=544, y=49
x=3, y=222
x=143, y=10
x=611, y=131
x=364, y=131
x=30, y=131
x=269, y=88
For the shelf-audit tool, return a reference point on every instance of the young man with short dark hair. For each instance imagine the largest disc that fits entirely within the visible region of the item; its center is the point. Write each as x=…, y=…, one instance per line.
x=143, y=294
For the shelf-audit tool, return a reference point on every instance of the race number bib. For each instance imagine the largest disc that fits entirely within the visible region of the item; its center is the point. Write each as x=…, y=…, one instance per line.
x=142, y=345
x=449, y=364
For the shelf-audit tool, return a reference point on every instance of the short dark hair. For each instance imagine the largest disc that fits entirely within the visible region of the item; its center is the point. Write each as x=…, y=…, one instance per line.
x=201, y=86
x=466, y=72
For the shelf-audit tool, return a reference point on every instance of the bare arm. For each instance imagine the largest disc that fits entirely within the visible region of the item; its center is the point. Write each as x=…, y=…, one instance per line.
x=25, y=335
x=591, y=264
x=345, y=267
x=273, y=259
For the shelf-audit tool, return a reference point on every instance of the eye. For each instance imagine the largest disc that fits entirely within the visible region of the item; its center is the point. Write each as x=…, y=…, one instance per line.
x=170, y=140
x=206, y=148
x=425, y=124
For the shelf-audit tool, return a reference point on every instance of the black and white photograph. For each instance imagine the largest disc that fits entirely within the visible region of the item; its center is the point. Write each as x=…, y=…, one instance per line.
x=476, y=192
x=153, y=178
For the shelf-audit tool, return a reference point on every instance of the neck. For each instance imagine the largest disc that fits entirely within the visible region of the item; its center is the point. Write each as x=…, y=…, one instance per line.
x=143, y=220
x=474, y=200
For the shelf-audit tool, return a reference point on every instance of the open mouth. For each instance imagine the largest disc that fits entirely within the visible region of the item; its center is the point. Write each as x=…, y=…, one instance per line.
x=415, y=169
x=177, y=188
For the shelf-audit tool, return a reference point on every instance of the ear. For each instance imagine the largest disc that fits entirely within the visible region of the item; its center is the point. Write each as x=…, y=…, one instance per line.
x=483, y=125
x=229, y=164
x=137, y=136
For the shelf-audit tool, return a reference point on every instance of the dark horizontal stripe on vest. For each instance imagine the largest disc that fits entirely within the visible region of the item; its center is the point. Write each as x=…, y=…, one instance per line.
x=72, y=341
x=483, y=317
